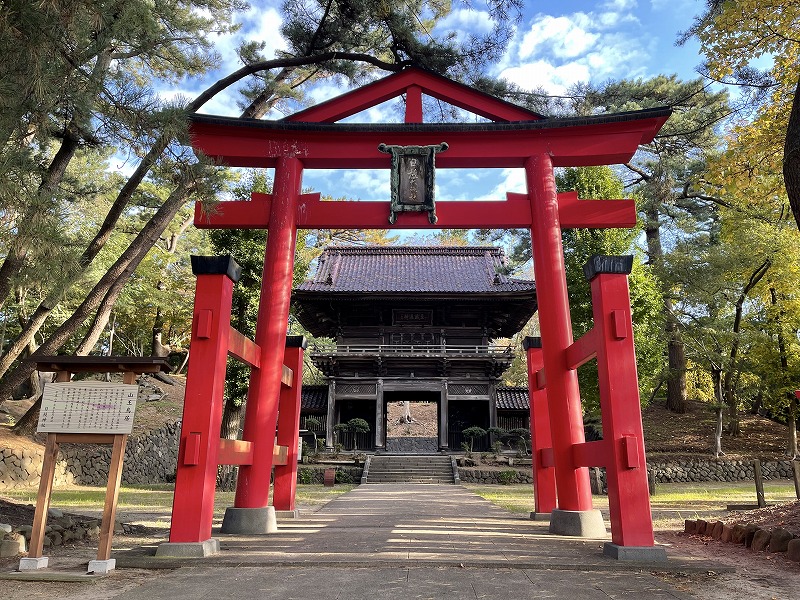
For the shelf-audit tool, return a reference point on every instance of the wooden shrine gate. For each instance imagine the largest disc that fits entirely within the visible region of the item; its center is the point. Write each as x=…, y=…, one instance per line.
x=512, y=137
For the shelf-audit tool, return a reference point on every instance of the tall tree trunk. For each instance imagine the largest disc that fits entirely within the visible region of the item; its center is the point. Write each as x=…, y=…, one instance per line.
x=716, y=378
x=676, y=355
x=157, y=346
x=105, y=292
x=793, y=451
x=31, y=218
x=728, y=389
x=791, y=156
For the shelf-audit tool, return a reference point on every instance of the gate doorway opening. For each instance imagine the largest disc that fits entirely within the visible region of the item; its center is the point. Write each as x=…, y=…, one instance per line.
x=353, y=439
x=412, y=421
x=463, y=415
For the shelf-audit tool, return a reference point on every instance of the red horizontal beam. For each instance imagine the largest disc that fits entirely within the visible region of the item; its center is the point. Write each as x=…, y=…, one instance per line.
x=515, y=212
x=574, y=213
x=315, y=213
x=574, y=146
x=244, y=349
x=582, y=350
x=591, y=454
x=235, y=452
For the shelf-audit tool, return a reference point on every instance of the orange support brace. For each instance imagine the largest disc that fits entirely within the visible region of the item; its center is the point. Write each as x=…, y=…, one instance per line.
x=193, y=504
x=283, y=497
x=626, y=469
x=544, y=476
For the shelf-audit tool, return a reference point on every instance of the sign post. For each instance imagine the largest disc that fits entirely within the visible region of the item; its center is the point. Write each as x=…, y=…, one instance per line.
x=86, y=413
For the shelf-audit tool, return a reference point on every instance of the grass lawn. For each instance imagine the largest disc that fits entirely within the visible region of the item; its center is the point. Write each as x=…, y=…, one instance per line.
x=672, y=503
x=151, y=505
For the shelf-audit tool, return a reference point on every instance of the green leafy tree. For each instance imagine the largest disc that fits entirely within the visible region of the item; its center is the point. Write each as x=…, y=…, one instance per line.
x=732, y=36
x=345, y=39
x=646, y=302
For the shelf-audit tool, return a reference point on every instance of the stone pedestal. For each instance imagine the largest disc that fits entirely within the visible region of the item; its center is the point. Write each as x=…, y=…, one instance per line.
x=578, y=523
x=249, y=520
x=188, y=549
x=31, y=564
x=635, y=553
x=102, y=567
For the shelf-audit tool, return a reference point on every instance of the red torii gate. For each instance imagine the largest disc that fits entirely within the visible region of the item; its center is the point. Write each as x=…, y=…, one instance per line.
x=513, y=137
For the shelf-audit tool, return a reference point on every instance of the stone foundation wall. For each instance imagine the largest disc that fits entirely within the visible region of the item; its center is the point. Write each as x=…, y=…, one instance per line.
x=495, y=476
x=149, y=458
x=717, y=470
x=412, y=445
x=679, y=471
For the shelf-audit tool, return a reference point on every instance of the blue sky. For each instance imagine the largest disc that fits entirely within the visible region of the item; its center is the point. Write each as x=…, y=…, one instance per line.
x=554, y=46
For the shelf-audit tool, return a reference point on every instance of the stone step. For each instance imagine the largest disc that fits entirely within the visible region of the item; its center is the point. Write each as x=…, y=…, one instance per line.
x=411, y=480
x=410, y=469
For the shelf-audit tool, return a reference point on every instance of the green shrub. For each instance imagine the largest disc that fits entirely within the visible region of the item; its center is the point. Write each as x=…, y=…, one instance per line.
x=305, y=475
x=343, y=477
x=507, y=477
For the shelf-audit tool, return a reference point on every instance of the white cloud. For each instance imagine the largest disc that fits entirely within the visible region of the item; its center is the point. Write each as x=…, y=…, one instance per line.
x=563, y=37
x=461, y=20
x=554, y=79
x=620, y=5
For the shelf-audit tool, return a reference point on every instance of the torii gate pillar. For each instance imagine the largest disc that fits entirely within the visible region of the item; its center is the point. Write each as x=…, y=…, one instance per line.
x=574, y=515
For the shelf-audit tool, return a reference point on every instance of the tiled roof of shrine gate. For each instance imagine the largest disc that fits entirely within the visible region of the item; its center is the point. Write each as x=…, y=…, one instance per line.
x=314, y=398
x=414, y=269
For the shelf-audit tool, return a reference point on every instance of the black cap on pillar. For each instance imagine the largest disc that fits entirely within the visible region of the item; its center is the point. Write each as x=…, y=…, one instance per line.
x=216, y=265
x=296, y=341
x=602, y=263
x=531, y=342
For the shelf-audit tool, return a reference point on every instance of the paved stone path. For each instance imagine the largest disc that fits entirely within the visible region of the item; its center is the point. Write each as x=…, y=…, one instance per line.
x=406, y=541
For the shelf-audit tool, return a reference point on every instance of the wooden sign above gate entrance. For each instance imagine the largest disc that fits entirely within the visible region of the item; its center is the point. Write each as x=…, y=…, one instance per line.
x=413, y=179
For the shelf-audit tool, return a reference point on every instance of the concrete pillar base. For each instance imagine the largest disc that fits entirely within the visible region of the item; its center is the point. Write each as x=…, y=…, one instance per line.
x=188, y=549
x=31, y=564
x=249, y=520
x=102, y=567
x=635, y=553
x=540, y=516
x=287, y=514
x=578, y=523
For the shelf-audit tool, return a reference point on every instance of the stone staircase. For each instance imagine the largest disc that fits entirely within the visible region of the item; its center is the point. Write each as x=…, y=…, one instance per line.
x=388, y=468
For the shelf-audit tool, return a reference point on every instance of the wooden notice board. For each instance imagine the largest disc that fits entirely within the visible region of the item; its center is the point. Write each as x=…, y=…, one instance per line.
x=87, y=413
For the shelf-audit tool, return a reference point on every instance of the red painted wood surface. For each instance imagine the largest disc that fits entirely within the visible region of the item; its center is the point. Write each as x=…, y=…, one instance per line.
x=544, y=475
x=244, y=349
x=626, y=471
x=235, y=452
x=566, y=418
x=431, y=84
x=514, y=212
x=246, y=144
x=252, y=486
x=195, y=482
x=283, y=497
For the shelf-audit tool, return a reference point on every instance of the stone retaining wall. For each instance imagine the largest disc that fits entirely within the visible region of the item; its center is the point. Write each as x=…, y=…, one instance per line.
x=495, y=476
x=152, y=458
x=689, y=470
x=149, y=458
x=412, y=445
x=717, y=470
